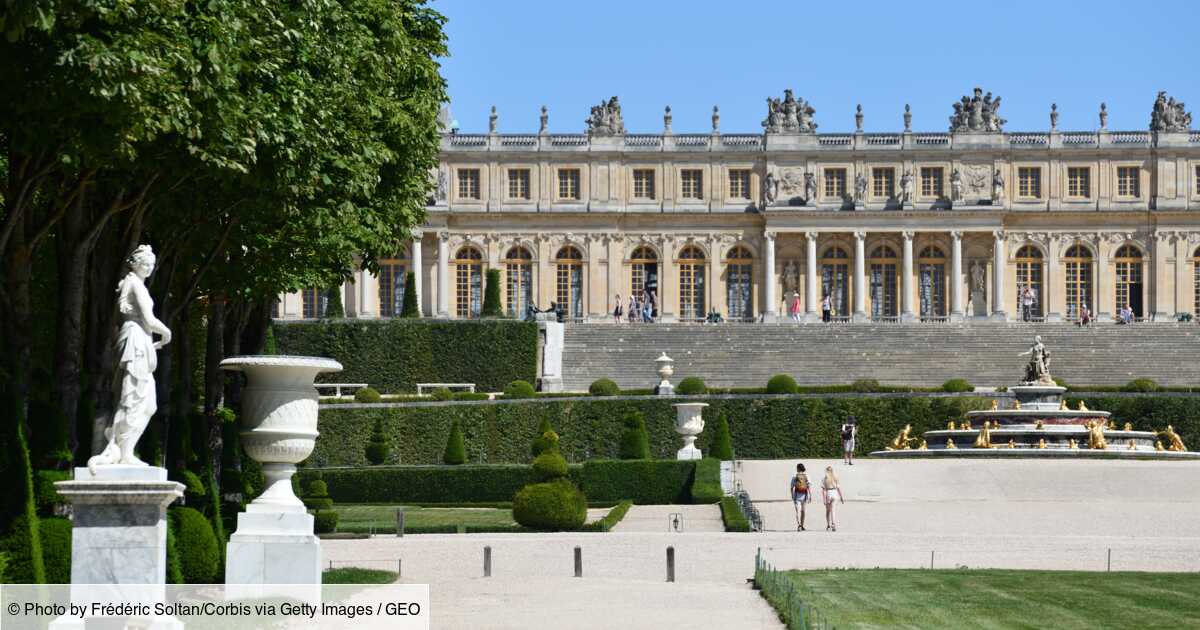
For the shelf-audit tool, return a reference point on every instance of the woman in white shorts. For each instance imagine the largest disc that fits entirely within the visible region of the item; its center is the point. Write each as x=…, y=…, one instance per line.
x=830, y=492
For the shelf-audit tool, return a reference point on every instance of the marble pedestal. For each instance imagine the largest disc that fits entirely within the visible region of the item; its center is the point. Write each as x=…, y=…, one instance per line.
x=119, y=532
x=273, y=548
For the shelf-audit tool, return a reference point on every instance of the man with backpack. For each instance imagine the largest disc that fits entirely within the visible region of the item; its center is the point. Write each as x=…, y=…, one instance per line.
x=849, y=432
x=800, y=495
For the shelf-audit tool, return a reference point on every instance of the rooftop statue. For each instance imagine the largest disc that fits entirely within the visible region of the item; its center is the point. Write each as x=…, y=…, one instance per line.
x=1037, y=371
x=977, y=113
x=137, y=359
x=606, y=119
x=791, y=115
x=1169, y=115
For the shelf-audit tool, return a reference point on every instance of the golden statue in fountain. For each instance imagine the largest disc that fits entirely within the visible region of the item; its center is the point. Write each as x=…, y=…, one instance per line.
x=902, y=441
x=1128, y=426
x=1042, y=443
x=1096, y=435
x=1083, y=407
x=984, y=439
x=1038, y=425
x=1176, y=442
x=1062, y=405
x=950, y=426
x=950, y=443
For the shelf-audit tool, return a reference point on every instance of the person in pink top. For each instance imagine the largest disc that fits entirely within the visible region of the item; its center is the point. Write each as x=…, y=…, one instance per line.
x=794, y=307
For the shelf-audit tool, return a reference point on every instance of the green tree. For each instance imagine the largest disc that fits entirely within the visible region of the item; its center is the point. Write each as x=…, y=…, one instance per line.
x=409, y=309
x=491, y=295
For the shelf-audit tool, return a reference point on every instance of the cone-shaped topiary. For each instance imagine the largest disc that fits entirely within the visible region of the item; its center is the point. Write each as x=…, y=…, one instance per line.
x=334, y=308
x=722, y=444
x=409, y=309
x=491, y=295
x=781, y=384
x=554, y=504
x=635, y=441
x=378, y=448
x=456, y=448
x=541, y=443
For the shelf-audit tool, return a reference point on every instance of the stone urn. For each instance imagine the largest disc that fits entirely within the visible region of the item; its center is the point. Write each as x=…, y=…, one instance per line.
x=689, y=423
x=665, y=370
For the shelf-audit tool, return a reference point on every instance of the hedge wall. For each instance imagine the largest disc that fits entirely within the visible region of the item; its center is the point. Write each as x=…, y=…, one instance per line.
x=762, y=428
x=393, y=355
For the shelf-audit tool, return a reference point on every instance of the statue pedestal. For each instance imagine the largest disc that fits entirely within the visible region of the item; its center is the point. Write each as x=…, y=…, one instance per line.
x=119, y=532
x=689, y=423
x=273, y=547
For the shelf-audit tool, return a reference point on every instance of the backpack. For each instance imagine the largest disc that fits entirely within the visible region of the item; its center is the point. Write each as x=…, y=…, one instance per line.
x=847, y=434
x=801, y=484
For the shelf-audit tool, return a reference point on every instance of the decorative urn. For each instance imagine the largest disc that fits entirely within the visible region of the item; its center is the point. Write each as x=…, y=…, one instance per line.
x=665, y=370
x=689, y=423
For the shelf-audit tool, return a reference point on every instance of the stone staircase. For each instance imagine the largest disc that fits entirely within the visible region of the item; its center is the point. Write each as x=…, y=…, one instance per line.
x=747, y=355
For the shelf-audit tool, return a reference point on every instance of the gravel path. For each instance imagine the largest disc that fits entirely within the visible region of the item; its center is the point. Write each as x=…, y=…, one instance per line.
x=659, y=518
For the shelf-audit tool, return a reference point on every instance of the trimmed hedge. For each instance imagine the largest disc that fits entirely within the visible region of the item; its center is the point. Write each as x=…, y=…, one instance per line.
x=781, y=384
x=196, y=543
x=325, y=521
x=706, y=488
x=611, y=519
x=644, y=482
x=396, y=354
x=761, y=428
x=56, y=549
x=732, y=516
x=957, y=385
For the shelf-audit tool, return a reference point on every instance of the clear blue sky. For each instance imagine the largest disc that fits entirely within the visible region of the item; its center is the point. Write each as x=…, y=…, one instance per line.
x=691, y=55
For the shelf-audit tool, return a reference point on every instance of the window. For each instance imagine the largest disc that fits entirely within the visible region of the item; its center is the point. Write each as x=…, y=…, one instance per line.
x=739, y=183
x=739, y=294
x=643, y=272
x=468, y=183
x=518, y=267
x=468, y=282
x=691, y=284
x=691, y=181
x=518, y=183
x=568, y=183
x=835, y=183
x=314, y=302
x=1127, y=182
x=883, y=279
x=1196, y=186
x=1079, y=182
x=883, y=183
x=835, y=280
x=569, y=285
x=1129, y=279
x=1029, y=182
x=643, y=183
x=1029, y=275
x=931, y=181
x=392, y=276
x=1078, y=264
x=931, y=282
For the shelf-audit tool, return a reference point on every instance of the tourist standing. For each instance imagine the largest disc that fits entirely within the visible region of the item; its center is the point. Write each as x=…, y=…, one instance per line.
x=1027, y=302
x=849, y=433
x=830, y=492
x=794, y=308
x=633, y=311
x=617, y=310
x=798, y=486
x=1085, y=315
x=826, y=305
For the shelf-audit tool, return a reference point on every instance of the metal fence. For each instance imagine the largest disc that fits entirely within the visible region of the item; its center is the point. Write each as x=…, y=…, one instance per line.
x=782, y=593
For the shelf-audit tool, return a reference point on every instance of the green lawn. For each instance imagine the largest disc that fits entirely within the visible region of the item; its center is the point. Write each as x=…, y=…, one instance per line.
x=359, y=518
x=900, y=598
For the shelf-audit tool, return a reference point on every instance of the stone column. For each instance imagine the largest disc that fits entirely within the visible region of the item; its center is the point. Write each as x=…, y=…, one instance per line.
x=999, y=262
x=443, y=275
x=368, y=294
x=1161, y=305
x=956, y=277
x=417, y=269
x=1055, y=304
x=1103, y=298
x=668, y=283
x=713, y=281
x=769, y=313
x=906, y=279
x=811, y=273
x=860, y=277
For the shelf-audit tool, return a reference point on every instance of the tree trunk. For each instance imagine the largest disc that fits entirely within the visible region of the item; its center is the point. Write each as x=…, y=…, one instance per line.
x=18, y=317
x=214, y=379
x=69, y=330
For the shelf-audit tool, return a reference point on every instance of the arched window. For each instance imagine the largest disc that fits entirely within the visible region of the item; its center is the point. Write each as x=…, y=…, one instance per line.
x=931, y=282
x=518, y=268
x=739, y=287
x=468, y=282
x=392, y=278
x=881, y=267
x=691, y=284
x=1078, y=265
x=643, y=274
x=835, y=280
x=1129, y=279
x=569, y=263
x=1029, y=276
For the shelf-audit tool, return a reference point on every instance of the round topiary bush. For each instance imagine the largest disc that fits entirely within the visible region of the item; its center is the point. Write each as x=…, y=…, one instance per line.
x=196, y=544
x=367, y=395
x=692, y=386
x=442, y=393
x=555, y=505
x=1141, y=385
x=377, y=448
x=317, y=497
x=518, y=389
x=867, y=385
x=956, y=385
x=325, y=521
x=56, y=549
x=603, y=387
x=635, y=441
x=549, y=465
x=781, y=384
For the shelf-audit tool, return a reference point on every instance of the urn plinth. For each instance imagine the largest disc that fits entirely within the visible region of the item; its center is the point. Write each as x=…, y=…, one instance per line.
x=665, y=370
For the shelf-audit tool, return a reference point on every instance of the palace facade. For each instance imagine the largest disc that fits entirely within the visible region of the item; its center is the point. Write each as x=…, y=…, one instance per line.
x=906, y=226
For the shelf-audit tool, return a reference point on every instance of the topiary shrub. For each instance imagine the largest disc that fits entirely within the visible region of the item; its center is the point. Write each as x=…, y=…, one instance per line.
x=722, y=444
x=544, y=442
x=456, y=448
x=174, y=568
x=377, y=448
x=1140, y=385
x=196, y=544
x=555, y=505
x=325, y=521
x=333, y=307
x=635, y=441
x=957, y=385
x=491, y=295
x=49, y=501
x=193, y=487
x=367, y=395
x=549, y=465
x=519, y=389
x=706, y=482
x=691, y=386
x=603, y=387
x=470, y=396
x=409, y=309
x=317, y=497
x=56, y=549
x=867, y=385
x=781, y=384
x=442, y=394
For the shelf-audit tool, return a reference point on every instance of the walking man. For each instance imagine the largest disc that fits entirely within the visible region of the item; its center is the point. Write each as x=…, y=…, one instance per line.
x=849, y=433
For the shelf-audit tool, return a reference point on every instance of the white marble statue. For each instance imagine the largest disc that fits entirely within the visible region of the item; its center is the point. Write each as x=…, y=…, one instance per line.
x=137, y=359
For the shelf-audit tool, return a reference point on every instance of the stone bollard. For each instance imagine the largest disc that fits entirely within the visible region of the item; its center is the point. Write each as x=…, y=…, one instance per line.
x=670, y=564
x=487, y=562
x=578, y=562
x=400, y=522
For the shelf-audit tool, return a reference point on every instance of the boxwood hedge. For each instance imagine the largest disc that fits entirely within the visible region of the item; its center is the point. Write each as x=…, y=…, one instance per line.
x=393, y=355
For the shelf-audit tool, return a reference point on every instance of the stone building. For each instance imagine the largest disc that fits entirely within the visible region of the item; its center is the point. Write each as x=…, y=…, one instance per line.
x=905, y=226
